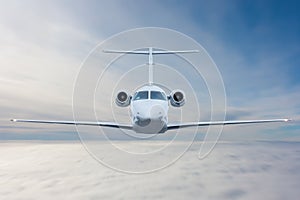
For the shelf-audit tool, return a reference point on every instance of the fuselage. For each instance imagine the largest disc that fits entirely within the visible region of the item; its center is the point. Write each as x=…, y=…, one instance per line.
x=149, y=110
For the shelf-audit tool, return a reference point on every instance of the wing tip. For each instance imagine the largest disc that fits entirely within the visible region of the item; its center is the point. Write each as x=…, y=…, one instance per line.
x=13, y=120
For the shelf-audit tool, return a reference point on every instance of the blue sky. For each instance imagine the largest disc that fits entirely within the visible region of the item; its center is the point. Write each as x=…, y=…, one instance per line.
x=255, y=45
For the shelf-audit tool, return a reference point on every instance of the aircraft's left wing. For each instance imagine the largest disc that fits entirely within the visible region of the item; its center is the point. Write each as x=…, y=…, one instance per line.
x=191, y=124
x=86, y=123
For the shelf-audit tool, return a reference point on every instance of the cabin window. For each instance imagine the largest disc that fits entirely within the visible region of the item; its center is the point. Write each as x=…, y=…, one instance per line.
x=141, y=95
x=158, y=95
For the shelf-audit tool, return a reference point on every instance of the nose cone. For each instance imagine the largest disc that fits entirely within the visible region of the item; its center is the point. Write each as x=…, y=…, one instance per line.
x=150, y=120
x=143, y=121
x=157, y=112
x=154, y=112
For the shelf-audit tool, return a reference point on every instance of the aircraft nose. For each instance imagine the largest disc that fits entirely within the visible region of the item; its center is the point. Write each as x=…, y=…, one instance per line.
x=151, y=119
x=157, y=112
x=143, y=122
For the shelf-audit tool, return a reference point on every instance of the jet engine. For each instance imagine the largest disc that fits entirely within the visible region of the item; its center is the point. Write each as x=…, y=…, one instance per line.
x=123, y=99
x=177, y=98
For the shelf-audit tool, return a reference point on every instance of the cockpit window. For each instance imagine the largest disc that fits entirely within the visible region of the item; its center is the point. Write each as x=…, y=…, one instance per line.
x=141, y=95
x=158, y=95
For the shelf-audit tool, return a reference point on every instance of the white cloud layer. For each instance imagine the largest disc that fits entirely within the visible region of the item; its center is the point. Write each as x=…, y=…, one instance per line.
x=259, y=170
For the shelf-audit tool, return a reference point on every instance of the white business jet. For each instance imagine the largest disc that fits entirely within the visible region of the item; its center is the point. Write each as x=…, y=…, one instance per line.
x=149, y=105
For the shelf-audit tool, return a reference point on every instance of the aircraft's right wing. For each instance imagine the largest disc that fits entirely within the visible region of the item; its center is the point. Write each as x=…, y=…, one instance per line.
x=191, y=124
x=104, y=124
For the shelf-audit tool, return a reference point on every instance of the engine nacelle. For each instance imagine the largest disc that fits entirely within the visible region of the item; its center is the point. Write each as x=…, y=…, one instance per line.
x=123, y=99
x=177, y=98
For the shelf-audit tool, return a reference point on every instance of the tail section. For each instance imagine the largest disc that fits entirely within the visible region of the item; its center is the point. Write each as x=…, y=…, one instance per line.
x=150, y=52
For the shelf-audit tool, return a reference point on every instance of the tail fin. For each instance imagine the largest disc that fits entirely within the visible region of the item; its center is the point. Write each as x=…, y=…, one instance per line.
x=150, y=52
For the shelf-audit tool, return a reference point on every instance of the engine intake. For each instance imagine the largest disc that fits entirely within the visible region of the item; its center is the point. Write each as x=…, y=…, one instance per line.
x=177, y=98
x=123, y=99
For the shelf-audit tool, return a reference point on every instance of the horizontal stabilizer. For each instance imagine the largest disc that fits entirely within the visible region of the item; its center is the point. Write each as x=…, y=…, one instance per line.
x=153, y=52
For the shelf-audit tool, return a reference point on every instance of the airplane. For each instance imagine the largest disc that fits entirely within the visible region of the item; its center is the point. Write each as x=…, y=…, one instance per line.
x=149, y=105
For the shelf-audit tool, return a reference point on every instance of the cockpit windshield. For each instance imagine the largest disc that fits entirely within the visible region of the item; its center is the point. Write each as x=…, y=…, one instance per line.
x=158, y=95
x=141, y=95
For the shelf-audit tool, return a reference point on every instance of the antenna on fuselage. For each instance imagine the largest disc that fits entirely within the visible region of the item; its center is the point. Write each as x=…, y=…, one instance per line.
x=150, y=52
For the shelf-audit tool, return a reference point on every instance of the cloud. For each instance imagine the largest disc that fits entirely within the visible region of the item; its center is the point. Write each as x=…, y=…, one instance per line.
x=257, y=170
